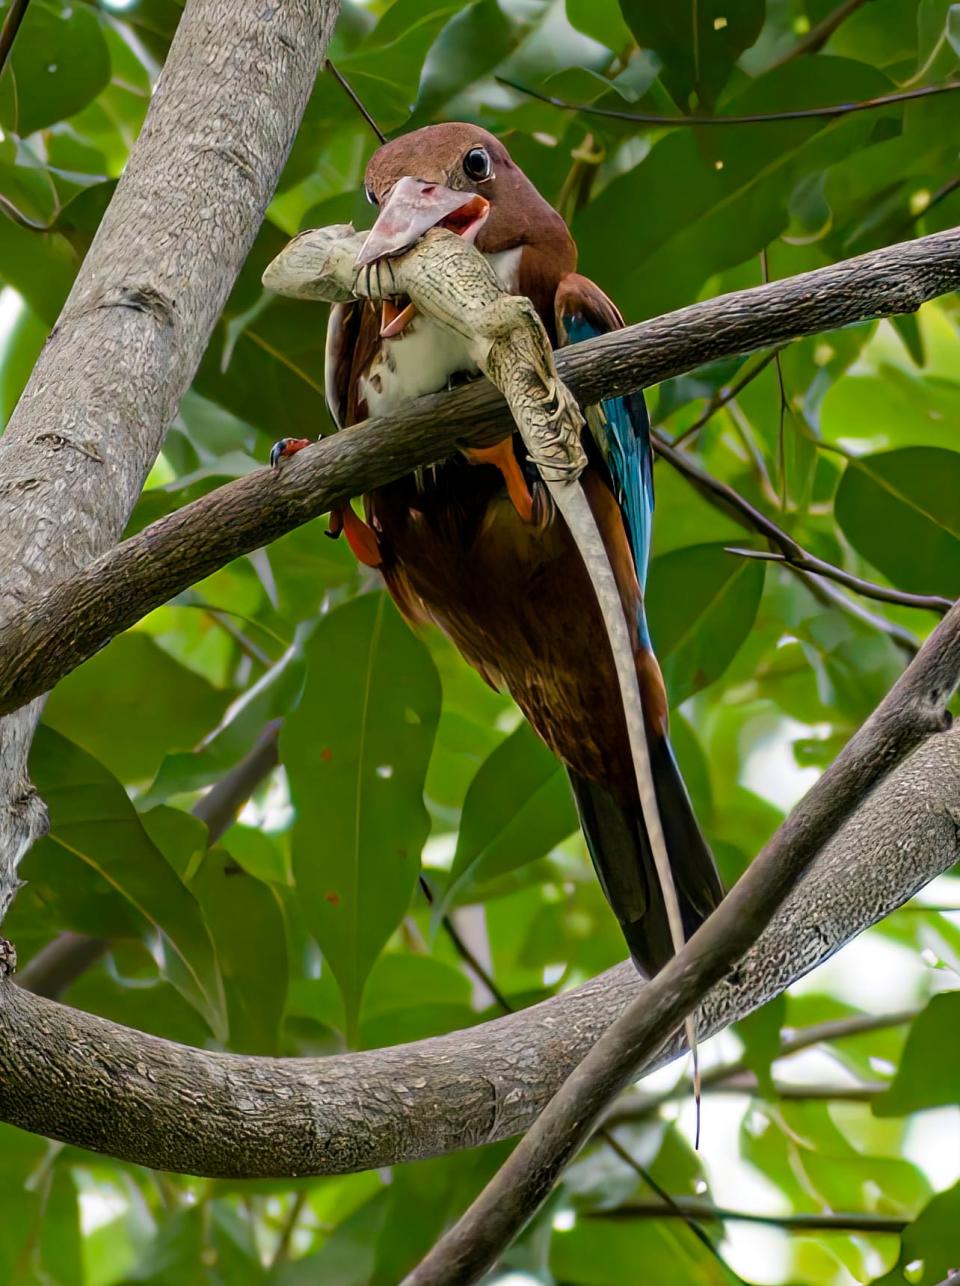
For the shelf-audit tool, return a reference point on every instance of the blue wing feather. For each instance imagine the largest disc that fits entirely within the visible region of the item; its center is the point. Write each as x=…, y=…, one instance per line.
x=626, y=446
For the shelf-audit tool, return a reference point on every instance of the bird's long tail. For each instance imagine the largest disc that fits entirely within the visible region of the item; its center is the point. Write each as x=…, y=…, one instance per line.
x=620, y=849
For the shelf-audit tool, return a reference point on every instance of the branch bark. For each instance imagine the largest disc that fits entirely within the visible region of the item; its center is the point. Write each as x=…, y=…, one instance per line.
x=79, y=1078
x=92, y=418
x=914, y=708
x=72, y=620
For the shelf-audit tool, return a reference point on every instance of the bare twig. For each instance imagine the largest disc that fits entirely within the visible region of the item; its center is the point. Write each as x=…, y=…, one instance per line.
x=820, y=32
x=828, y=1221
x=355, y=99
x=723, y=396
x=11, y=25
x=805, y=562
x=68, y=623
x=913, y=710
x=762, y=118
x=788, y=550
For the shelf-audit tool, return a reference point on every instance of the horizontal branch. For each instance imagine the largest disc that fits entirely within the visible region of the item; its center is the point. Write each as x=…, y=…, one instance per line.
x=833, y=111
x=690, y=1208
x=90, y=1082
x=56, y=632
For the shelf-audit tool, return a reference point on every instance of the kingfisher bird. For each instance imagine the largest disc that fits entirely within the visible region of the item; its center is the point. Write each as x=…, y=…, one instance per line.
x=473, y=544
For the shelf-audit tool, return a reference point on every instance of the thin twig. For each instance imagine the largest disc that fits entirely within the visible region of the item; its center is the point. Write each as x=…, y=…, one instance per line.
x=762, y=118
x=289, y=1228
x=11, y=25
x=828, y=1221
x=723, y=396
x=869, y=589
x=819, y=33
x=788, y=550
x=356, y=100
x=782, y=422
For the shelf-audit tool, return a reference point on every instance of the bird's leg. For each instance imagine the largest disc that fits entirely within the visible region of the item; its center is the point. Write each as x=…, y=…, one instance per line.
x=501, y=456
x=361, y=537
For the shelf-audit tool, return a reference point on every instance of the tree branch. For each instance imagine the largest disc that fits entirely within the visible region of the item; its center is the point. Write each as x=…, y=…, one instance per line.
x=90, y=1082
x=760, y=118
x=89, y=425
x=828, y=1221
x=67, y=624
x=914, y=708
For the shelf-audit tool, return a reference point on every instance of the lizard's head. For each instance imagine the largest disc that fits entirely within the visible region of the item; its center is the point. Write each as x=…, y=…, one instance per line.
x=452, y=176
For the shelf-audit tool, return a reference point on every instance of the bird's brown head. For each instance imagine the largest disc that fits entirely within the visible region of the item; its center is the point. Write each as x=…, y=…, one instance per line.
x=460, y=177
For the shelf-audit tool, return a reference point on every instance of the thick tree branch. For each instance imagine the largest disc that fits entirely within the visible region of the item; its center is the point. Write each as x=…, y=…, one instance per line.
x=59, y=630
x=911, y=712
x=89, y=425
x=79, y=1078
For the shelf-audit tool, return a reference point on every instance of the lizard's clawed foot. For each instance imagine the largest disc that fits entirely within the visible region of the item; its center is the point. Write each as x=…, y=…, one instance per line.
x=286, y=447
x=8, y=958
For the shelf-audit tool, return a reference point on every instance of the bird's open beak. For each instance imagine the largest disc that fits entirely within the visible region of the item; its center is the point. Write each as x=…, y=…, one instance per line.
x=412, y=208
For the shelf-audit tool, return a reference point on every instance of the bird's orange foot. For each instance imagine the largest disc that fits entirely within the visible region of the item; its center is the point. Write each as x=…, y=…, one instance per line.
x=502, y=457
x=361, y=537
x=285, y=447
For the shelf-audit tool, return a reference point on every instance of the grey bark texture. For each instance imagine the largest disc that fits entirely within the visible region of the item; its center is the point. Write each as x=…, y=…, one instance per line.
x=92, y=418
x=72, y=620
x=76, y=1077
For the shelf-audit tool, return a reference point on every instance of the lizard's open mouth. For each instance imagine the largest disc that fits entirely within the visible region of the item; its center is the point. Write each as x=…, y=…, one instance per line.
x=412, y=208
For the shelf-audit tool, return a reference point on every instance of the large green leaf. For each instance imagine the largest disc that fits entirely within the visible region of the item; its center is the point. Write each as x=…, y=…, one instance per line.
x=239, y=909
x=701, y=604
x=929, y=1246
x=698, y=43
x=927, y=1075
x=58, y=63
x=517, y=808
x=93, y=821
x=356, y=751
x=147, y=705
x=899, y=510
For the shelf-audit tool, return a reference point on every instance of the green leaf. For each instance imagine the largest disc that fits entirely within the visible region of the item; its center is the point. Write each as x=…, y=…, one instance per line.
x=698, y=43
x=930, y=1243
x=147, y=706
x=596, y=1252
x=899, y=510
x=518, y=807
x=760, y=1033
x=601, y=20
x=701, y=604
x=93, y=821
x=927, y=1075
x=356, y=752
x=58, y=63
x=245, y=920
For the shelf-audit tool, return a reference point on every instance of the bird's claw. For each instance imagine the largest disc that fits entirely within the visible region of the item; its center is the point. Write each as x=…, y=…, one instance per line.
x=8, y=958
x=286, y=447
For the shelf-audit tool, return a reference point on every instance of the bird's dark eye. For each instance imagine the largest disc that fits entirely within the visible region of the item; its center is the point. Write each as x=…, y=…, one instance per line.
x=371, y=196
x=477, y=165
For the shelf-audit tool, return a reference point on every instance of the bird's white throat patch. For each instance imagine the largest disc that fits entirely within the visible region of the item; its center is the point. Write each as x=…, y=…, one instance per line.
x=423, y=358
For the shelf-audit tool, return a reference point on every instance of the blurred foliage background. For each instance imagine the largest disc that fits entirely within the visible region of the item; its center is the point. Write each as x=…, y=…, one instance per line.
x=391, y=751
